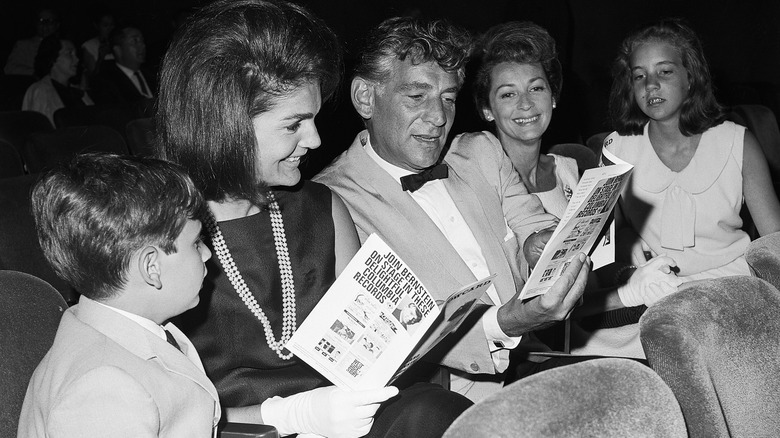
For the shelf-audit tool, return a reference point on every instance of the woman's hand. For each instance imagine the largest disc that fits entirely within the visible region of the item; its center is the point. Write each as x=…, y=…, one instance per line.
x=348, y=413
x=651, y=281
x=328, y=411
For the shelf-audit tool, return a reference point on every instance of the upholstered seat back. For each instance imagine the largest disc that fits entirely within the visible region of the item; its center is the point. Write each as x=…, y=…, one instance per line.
x=608, y=397
x=586, y=158
x=10, y=161
x=30, y=312
x=45, y=150
x=16, y=127
x=717, y=346
x=140, y=137
x=19, y=247
x=763, y=256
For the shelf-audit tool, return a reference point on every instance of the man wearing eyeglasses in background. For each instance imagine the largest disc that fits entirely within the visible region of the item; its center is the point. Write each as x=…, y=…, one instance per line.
x=22, y=57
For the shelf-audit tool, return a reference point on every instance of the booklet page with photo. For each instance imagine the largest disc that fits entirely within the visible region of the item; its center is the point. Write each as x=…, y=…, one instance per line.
x=585, y=217
x=377, y=319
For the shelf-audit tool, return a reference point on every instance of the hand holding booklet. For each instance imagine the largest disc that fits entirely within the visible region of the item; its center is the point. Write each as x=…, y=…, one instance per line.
x=588, y=211
x=377, y=319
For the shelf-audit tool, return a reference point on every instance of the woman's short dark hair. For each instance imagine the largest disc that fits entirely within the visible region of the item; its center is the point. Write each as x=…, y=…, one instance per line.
x=227, y=64
x=522, y=42
x=48, y=52
x=699, y=111
x=95, y=212
x=416, y=39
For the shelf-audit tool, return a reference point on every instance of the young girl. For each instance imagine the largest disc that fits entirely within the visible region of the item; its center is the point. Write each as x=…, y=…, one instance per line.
x=692, y=168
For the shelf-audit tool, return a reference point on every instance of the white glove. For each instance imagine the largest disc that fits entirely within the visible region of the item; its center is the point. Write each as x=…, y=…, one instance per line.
x=330, y=412
x=651, y=281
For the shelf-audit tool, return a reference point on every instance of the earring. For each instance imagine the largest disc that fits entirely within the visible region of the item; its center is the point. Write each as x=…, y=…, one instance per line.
x=554, y=105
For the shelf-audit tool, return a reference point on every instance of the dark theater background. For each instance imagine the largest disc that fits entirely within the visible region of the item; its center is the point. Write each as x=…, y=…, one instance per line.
x=741, y=40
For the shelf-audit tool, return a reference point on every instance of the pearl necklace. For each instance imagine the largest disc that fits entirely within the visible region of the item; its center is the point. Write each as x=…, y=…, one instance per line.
x=289, y=323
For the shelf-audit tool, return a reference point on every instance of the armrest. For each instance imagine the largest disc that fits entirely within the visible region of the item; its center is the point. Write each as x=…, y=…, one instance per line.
x=245, y=430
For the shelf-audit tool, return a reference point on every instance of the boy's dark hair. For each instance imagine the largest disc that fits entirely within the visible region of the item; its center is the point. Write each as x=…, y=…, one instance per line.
x=95, y=212
x=415, y=39
x=521, y=42
x=700, y=110
x=230, y=62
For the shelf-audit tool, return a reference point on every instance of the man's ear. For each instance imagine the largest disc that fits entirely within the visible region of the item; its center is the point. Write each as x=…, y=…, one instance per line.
x=149, y=266
x=362, y=94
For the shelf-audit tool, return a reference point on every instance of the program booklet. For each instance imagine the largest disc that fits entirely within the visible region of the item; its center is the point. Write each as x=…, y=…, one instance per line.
x=582, y=223
x=377, y=319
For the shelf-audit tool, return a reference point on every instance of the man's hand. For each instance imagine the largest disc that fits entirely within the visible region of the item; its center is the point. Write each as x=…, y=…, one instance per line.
x=534, y=245
x=517, y=317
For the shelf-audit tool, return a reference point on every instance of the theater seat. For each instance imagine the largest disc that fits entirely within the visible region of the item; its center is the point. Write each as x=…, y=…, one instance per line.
x=140, y=137
x=717, y=345
x=586, y=158
x=12, y=90
x=596, y=141
x=30, y=311
x=761, y=121
x=19, y=247
x=763, y=257
x=10, y=162
x=45, y=150
x=114, y=116
x=17, y=126
x=608, y=397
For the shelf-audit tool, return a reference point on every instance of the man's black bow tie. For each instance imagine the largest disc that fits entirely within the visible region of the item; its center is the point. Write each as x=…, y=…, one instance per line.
x=416, y=180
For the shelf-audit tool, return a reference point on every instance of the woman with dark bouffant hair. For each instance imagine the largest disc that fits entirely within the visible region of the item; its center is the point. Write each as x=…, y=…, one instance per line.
x=55, y=64
x=240, y=86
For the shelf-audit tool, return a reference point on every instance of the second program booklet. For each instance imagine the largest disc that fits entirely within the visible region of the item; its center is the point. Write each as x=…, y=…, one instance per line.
x=377, y=319
x=586, y=215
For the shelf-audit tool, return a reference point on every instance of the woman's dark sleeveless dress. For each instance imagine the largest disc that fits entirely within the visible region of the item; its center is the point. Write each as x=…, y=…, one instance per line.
x=229, y=338
x=231, y=341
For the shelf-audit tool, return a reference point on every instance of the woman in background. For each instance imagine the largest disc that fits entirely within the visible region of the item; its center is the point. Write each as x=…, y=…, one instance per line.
x=56, y=64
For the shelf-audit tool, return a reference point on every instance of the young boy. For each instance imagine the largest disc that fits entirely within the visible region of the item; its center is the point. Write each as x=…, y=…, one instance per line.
x=124, y=231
